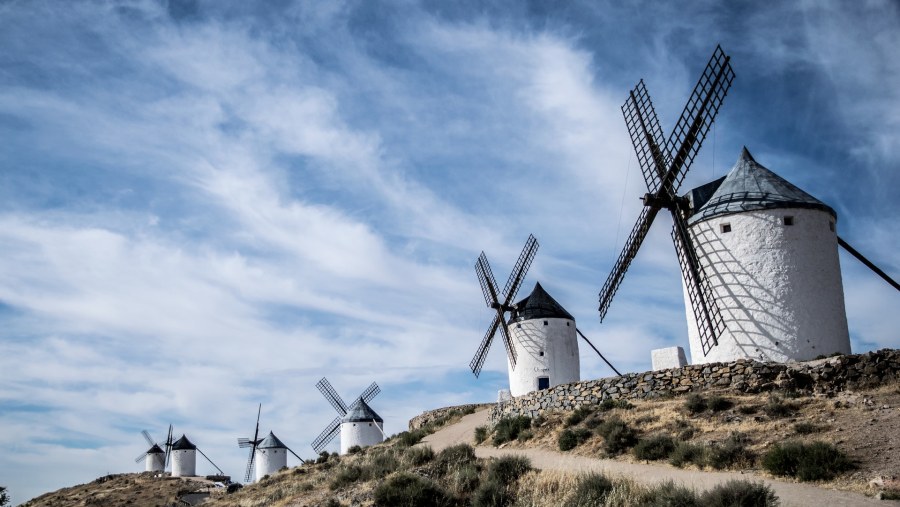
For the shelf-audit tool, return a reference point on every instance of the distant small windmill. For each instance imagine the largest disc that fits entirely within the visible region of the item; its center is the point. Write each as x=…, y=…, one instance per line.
x=664, y=164
x=156, y=459
x=184, y=458
x=538, y=327
x=359, y=425
x=267, y=455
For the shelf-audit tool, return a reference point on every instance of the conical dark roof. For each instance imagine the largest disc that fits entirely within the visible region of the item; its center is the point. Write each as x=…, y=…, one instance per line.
x=156, y=450
x=749, y=186
x=360, y=411
x=271, y=442
x=183, y=444
x=539, y=305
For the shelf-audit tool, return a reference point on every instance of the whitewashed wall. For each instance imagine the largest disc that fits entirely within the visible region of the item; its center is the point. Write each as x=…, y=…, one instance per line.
x=361, y=433
x=778, y=286
x=269, y=461
x=558, y=342
x=154, y=462
x=184, y=462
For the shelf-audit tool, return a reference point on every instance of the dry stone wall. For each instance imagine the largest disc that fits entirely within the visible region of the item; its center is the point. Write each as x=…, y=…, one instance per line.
x=822, y=376
x=433, y=415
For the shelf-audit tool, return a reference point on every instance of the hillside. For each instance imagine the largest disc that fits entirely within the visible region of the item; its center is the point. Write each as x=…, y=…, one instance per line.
x=863, y=424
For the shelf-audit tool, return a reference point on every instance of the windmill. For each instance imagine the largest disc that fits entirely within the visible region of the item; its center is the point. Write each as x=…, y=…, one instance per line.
x=184, y=458
x=156, y=459
x=538, y=327
x=664, y=164
x=359, y=425
x=270, y=459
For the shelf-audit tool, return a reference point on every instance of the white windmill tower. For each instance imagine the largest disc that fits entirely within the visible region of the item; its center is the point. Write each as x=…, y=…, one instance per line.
x=540, y=336
x=758, y=256
x=184, y=458
x=155, y=459
x=267, y=455
x=359, y=425
x=770, y=252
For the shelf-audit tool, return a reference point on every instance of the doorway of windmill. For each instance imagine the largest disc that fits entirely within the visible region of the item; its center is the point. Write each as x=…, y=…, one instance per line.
x=543, y=383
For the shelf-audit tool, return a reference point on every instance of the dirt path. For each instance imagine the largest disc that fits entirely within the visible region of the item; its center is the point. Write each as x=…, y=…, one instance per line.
x=790, y=493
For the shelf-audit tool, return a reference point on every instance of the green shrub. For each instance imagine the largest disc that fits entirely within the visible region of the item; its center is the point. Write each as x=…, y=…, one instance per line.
x=686, y=452
x=731, y=453
x=332, y=502
x=508, y=469
x=777, y=407
x=617, y=436
x=805, y=428
x=354, y=449
x=654, y=448
x=491, y=494
x=381, y=465
x=453, y=458
x=509, y=428
x=481, y=434
x=464, y=479
x=411, y=438
x=748, y=409
x=592, y=489
x=570, y=438
x=718, y=403
x=807, y=462
x=345, y=476
x=525, y=436
x=417, y=456
x=695, y=404
x=567, y=440
x=408, y=490
x=739, y=493
x=670, y=494
x=609, y=404
x=578, y=415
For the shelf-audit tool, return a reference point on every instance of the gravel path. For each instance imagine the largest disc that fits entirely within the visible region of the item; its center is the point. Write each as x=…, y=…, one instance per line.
x=790, y=493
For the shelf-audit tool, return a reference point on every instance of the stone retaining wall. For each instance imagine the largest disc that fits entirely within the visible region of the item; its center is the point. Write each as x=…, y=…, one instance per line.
x=431, y=415
x=822, y=376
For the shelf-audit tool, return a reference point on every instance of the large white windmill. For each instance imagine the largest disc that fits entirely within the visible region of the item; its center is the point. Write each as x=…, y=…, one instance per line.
x=184, y=458
x=359, y=425
x=156, y=459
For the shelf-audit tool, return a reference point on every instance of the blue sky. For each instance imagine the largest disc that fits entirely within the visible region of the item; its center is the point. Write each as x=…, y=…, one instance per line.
x=209, y=205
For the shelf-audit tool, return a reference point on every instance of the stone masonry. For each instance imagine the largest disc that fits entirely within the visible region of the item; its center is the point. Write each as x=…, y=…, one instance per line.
x=822, y=376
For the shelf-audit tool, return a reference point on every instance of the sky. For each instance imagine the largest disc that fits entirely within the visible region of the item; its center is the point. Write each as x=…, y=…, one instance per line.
x=208, y=205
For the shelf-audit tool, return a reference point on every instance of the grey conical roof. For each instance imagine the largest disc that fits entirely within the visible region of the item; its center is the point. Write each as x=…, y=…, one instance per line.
x=360, y=411
x=183, y=444
x=156, y=450
x=271, y=442
x=749, y=186
x=539, y=305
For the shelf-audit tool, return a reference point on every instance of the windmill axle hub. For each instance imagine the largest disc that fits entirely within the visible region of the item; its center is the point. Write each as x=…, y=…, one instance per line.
x=663, y=200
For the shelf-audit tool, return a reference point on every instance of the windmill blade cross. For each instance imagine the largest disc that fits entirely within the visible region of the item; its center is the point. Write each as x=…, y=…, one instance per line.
x=147, y=437
x=250, y=463
x=869, y=264
x=481, y=354
x=332, y=396
x=327, y=435
x=632, y=244
x=507, y=341
x=646, y=136
x=244, y=443
x=370, y=392
x=169, y=444
x=517, y=275
x=703, y=305
x=139, y=458
x=487, y=281
x=676, y=156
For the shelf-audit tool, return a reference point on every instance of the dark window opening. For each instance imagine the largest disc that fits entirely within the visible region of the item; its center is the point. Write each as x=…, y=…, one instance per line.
x=543, y=383
x=726, y=228
x=831, y=226
x=541, y=353
x=788, y=220
x=567, y=324
x=546, y=323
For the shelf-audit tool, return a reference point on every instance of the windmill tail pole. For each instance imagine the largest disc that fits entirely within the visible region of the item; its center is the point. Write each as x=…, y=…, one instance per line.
x=868, y=263
x=211, y=462
x=379, y=429
x=597, y=351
